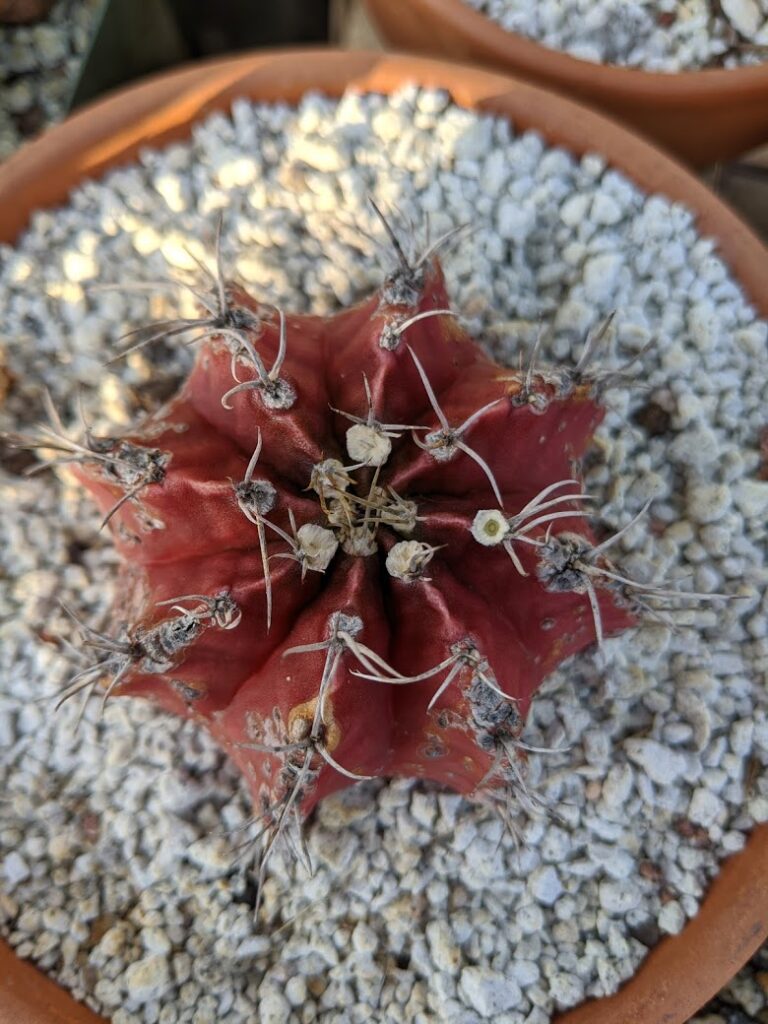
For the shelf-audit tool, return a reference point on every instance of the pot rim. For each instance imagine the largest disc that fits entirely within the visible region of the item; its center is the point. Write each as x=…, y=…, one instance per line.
x=158, y=110
x=681, y=971
x=693, y=87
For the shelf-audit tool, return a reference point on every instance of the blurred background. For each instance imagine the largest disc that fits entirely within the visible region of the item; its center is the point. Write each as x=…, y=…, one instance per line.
x=56, y=55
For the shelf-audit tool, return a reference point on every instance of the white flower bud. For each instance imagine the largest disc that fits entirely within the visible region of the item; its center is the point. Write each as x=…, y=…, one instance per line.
x=317, y=546
x=490, y=527
x=408, y=558
x=367, y=445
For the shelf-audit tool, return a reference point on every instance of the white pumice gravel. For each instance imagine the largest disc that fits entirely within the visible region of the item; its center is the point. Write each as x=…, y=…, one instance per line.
x=119, y=845
x=39, y=65
x=656, y=35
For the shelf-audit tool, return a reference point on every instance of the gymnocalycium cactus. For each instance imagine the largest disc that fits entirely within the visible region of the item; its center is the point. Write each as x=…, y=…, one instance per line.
x=353, y=546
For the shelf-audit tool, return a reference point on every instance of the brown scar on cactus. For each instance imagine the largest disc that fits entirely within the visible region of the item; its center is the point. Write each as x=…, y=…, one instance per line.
x=376, y=544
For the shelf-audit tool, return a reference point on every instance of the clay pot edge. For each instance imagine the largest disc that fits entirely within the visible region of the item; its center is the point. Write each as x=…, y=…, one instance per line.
x=697, y=86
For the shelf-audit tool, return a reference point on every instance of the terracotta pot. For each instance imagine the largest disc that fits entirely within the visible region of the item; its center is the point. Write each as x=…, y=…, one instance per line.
x=682, y=972
x=700, y=116
x=27, y=997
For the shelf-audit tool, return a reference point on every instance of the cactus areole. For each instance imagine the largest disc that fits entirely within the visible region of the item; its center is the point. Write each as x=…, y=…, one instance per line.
x=353, y=546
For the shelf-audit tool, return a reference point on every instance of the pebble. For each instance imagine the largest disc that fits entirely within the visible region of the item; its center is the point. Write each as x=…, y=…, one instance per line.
x=515, y=222
x=574, y=210
x=618, y=897
x=530, y=918
x=488, y=992
x=671, y=918
x=620, y=864
x=696, y=448
x=56, y=920
x=746, y=16
x=79, y=267
x=567, y=989
x=274, y=1008
x=147, y=979
x=319, y=155
x=597, y=746
x=751, y=498
x=526, y=972
x=212, y=855
x=15, y=869
x=545, y=885
x=605, y=210
x=708, y=502
x=474, y=137
x=601, y=275
x=155, y=940
x=706, y=808
x=617, y=785
x=50, y=43
x=661, y=764
x=446, y=954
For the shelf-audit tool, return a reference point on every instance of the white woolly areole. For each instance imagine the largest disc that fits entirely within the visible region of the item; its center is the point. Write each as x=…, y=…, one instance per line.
x=317, y=546
x=329, y=476
x=408, y=558
x=367, y=445
x=489, y=527
x=359, y=541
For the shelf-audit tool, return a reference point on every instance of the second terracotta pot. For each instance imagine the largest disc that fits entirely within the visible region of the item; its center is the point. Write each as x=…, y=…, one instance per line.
x=701, y=116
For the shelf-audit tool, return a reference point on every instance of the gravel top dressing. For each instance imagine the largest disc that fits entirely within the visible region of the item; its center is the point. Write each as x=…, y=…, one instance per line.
x=656, y=35
x=122, y=844
x=38, y=68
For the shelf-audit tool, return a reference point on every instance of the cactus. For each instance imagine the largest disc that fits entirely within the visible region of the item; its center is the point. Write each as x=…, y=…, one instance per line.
x=352, y=546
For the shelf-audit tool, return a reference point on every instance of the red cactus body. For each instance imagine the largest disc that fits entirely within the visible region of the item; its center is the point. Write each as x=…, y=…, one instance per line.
x=354, y=546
